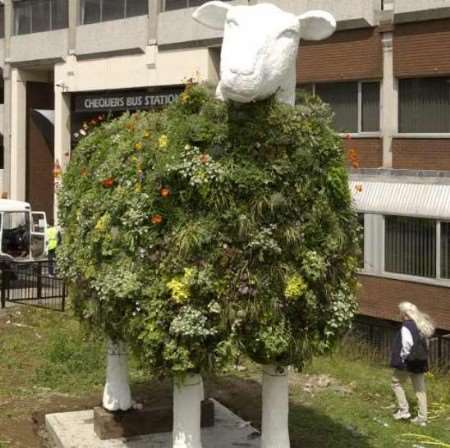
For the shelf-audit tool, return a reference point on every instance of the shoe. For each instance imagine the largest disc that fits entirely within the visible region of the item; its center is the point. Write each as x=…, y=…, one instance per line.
x=419, y=421
x=401, y=415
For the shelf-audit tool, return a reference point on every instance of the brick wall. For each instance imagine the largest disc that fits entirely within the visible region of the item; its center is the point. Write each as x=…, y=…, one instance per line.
x=422, y=49
x=423, y=154
x=368, y=150
x=347, y=55
x=39, y=182
x=379, y=297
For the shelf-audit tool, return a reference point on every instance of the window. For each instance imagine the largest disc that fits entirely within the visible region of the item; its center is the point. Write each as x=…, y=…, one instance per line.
x=424, y=105
x=410, y=246
x=445, y=250
x=169, y=5
x=356, y=105
x=34, y=16
x=2, y=21
x=93, y=11
x=361, y=239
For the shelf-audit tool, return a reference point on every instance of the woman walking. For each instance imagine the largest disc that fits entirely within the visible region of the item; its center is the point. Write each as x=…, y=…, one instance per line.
x=410, y=360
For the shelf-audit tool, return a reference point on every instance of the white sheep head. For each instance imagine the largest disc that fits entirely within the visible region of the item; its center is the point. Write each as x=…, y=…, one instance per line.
x=259, y=49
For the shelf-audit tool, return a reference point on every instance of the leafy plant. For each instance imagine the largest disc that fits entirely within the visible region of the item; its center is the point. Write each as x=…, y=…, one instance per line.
x=210, y=227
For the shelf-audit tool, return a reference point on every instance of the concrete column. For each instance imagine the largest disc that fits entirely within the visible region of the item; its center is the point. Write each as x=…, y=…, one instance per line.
x=153, y=12
x=389, y=100
x=18, y=136
x=7, y=130
x=74, y=7
x=7, y=100
x=62, y=133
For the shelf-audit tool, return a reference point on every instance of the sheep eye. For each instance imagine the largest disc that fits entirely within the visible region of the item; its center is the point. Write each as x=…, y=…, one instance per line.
x=232, y=23
x=290, y=34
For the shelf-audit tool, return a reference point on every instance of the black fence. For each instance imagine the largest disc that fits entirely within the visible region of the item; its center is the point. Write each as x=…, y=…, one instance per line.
x=379, y=335
x=31, y=283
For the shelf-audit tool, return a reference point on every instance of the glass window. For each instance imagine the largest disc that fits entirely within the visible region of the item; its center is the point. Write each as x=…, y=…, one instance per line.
x=22, y=18
x=93, y=11
x=361, y=239
x=60, y=14
x=2, y=21
x=370, y=106
x=40, y=16
x=113, y=10
x=16, y=233
x=410, y=246
x=34, y=16
x=445, y=250
x=136, y=8
x=90, y=11
x=343, y=100
x=168, y=5
x=424, y=105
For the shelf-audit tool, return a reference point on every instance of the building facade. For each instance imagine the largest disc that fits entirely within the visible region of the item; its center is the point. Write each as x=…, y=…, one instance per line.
x=385, y=74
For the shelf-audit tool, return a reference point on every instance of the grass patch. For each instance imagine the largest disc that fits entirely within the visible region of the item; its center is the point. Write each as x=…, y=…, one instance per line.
x=340, y=401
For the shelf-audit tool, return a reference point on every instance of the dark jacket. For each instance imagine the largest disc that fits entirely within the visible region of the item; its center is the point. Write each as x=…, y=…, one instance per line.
x=413, y=366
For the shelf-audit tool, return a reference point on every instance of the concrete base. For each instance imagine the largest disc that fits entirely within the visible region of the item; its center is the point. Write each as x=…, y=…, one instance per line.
x=76, y=430
x=137, y=422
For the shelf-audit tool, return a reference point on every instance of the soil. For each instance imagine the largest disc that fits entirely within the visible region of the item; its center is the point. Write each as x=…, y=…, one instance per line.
x=23, y=421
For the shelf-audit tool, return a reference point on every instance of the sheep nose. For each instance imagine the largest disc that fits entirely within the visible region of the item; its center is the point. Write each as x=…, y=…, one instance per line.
x=246, y=71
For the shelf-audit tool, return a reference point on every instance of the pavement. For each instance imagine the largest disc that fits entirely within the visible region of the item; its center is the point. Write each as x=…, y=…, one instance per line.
x=76, y=430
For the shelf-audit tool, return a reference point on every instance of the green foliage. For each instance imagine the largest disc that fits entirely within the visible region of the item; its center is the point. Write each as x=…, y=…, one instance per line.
x=210, y=226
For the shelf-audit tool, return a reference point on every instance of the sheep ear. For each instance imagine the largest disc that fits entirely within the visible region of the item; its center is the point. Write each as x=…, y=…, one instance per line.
x=316, y=25
x=212, y=14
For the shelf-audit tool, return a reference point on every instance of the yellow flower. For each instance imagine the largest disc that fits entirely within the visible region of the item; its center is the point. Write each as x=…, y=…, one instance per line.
x=138, y=188
x=295, y=287
x=184, y=98
x=179, y=290
x=163, y=141
x=103, y=223
x=146, y=134
x=138, y=146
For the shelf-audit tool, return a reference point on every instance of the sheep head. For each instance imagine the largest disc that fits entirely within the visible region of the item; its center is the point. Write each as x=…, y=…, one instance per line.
x=260, y=47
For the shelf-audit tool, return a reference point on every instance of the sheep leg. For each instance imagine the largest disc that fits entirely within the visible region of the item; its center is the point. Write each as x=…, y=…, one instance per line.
x=187, y=397
x=117, y=394
x=275, y=412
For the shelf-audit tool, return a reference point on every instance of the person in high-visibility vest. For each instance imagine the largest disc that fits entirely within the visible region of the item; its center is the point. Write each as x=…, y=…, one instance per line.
x=53, y=239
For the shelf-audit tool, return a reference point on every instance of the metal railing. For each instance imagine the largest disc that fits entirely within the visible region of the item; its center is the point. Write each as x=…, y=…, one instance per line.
x=379, y=335
x=31, y=283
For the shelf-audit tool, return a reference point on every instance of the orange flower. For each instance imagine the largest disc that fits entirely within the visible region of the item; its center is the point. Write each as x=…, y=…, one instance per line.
x=56, y=170
x=165, y=192
x=359, y=188
x=204, y=158
x=108, y=183
x=156, y=219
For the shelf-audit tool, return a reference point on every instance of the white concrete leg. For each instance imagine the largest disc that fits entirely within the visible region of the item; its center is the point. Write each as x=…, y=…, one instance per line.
x=186, y=412
x=117, y=394
x=275, y=411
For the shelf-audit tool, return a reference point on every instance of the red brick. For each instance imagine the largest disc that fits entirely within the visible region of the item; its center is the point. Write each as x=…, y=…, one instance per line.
x=368, y=150
x=422, y=49
x=421, y=154
x=379, y=297
x=347, y=55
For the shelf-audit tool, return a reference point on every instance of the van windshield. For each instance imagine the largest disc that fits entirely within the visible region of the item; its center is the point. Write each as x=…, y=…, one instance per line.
x=16, y=234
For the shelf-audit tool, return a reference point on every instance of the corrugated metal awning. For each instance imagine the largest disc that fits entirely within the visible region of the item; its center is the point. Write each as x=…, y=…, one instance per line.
x=400, y=198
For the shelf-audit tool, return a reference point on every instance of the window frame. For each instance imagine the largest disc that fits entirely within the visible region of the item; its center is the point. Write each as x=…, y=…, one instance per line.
x=374, y=261
x=29, y=6
x=125, y=3
x=418, y=134
x=359, y=132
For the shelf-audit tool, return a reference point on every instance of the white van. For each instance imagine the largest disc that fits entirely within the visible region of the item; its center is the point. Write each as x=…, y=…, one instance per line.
x=22, y=232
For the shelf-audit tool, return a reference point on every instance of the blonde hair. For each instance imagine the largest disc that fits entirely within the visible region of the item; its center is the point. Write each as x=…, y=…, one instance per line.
x=424, y=323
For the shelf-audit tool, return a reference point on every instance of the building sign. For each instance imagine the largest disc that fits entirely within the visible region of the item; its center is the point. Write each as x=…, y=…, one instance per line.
x=124, y=100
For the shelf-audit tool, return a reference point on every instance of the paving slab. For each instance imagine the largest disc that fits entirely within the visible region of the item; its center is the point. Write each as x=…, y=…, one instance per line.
x=76, y=430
